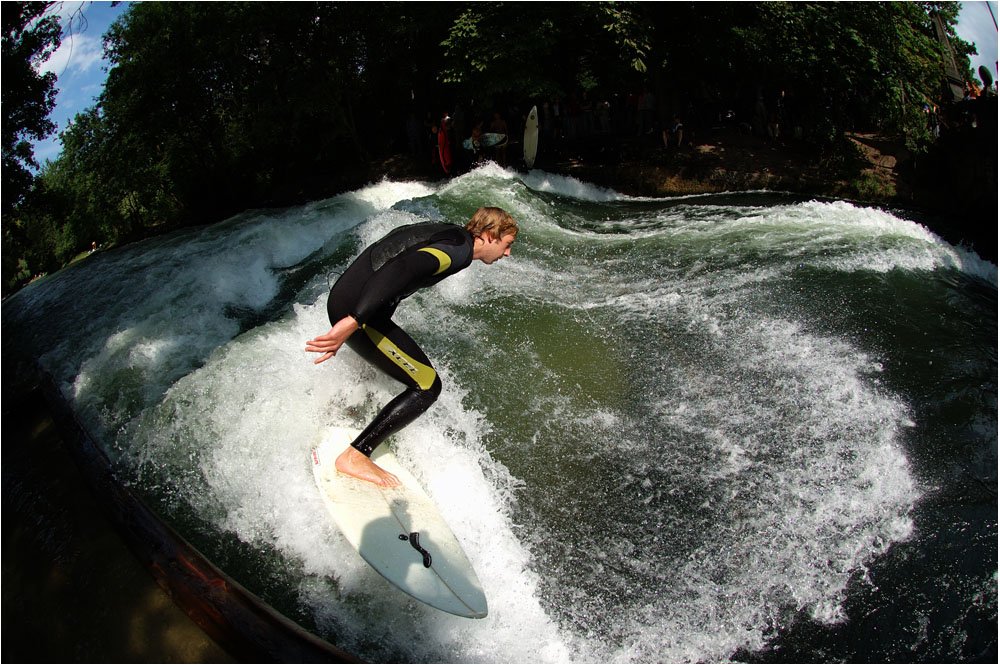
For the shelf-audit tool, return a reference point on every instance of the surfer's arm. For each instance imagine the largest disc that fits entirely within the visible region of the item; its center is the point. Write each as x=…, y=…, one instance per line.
x=330, y=343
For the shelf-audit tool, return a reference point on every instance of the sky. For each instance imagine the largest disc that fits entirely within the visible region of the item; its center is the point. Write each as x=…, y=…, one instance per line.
x=81, y=70
x=78, y=63
x=976, y=25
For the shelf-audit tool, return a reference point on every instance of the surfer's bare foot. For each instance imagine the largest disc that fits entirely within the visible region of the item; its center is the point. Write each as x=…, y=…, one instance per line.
x=353, y=463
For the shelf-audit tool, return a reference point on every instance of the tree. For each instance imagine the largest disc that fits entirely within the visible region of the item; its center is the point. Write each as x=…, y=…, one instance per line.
x=846, y=65
x=29, y=38
x=222, y=106
x=531, y=50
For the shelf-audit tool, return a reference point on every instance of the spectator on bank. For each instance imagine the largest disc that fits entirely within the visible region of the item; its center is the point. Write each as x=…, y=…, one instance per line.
x=631, y=111
x=674, y=137
x=546, y=117
x=603, y=113
x=431, y=137
x=444, y=144
x=933, y=121
x=476, y=139
x=773, y=126
x=458, y=130
x=572, y=116
x=759, y=117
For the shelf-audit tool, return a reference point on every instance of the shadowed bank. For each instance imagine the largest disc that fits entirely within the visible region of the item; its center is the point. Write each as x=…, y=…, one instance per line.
x=72, y=590
x=78, y=553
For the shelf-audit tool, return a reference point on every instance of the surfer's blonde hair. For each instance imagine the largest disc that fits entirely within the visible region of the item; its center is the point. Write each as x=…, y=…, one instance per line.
x=495, y=221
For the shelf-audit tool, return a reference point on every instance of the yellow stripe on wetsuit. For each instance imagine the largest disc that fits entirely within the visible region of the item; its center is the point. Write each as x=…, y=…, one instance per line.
x=442, y=258
x=423, y=374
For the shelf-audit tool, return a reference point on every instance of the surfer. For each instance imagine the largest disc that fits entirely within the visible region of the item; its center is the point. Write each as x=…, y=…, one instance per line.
x=363, y=300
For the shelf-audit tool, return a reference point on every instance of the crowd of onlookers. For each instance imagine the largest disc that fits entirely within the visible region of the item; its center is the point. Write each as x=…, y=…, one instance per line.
x=440, y=140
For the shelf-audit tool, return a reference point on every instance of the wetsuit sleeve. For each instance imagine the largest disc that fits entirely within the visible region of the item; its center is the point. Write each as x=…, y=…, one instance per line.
x=396, y=279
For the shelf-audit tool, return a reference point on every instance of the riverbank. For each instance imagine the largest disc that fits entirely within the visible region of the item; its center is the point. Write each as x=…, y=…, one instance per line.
x=72, y=590
x=92, y=575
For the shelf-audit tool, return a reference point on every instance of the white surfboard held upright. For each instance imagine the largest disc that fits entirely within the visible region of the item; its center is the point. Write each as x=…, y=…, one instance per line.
x=531, y=137
x=399, y=531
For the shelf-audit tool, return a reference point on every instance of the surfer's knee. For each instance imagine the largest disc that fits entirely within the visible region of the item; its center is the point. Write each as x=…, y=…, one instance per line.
x=426, y=397
x=415, y=400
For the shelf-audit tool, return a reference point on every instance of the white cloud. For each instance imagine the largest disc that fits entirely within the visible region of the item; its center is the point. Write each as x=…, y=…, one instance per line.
x=81, y=50
x=78, y=53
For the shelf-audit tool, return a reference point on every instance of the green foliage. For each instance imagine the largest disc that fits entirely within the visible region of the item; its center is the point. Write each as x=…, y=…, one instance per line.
x=531, y=50
x=219, y=104
x=29, y=38
x=629, y=32
x=848, y=65
x=852, y=64
x=870, y=187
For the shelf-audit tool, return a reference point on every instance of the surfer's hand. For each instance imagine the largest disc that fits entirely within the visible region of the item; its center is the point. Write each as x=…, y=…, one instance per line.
x=330, y=343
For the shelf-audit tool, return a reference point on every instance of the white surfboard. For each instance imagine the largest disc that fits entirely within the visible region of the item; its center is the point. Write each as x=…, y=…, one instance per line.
x=399, y=532
x=531, y=137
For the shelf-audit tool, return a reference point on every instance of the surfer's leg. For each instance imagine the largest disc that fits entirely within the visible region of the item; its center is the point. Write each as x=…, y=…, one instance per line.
x=401, y=358
x=388, y=347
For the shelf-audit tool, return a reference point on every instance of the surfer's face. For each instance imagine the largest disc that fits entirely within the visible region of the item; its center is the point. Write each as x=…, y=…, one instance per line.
x=492, y=250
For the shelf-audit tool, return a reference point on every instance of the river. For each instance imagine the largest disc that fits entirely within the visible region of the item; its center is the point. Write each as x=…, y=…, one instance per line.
x=743, y=426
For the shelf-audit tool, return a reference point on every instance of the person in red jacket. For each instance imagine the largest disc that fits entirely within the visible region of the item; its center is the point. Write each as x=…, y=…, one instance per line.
x=444, y=145
x=364, y=299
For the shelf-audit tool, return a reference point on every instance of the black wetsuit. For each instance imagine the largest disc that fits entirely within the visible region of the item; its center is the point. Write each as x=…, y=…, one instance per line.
x=406, y=260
